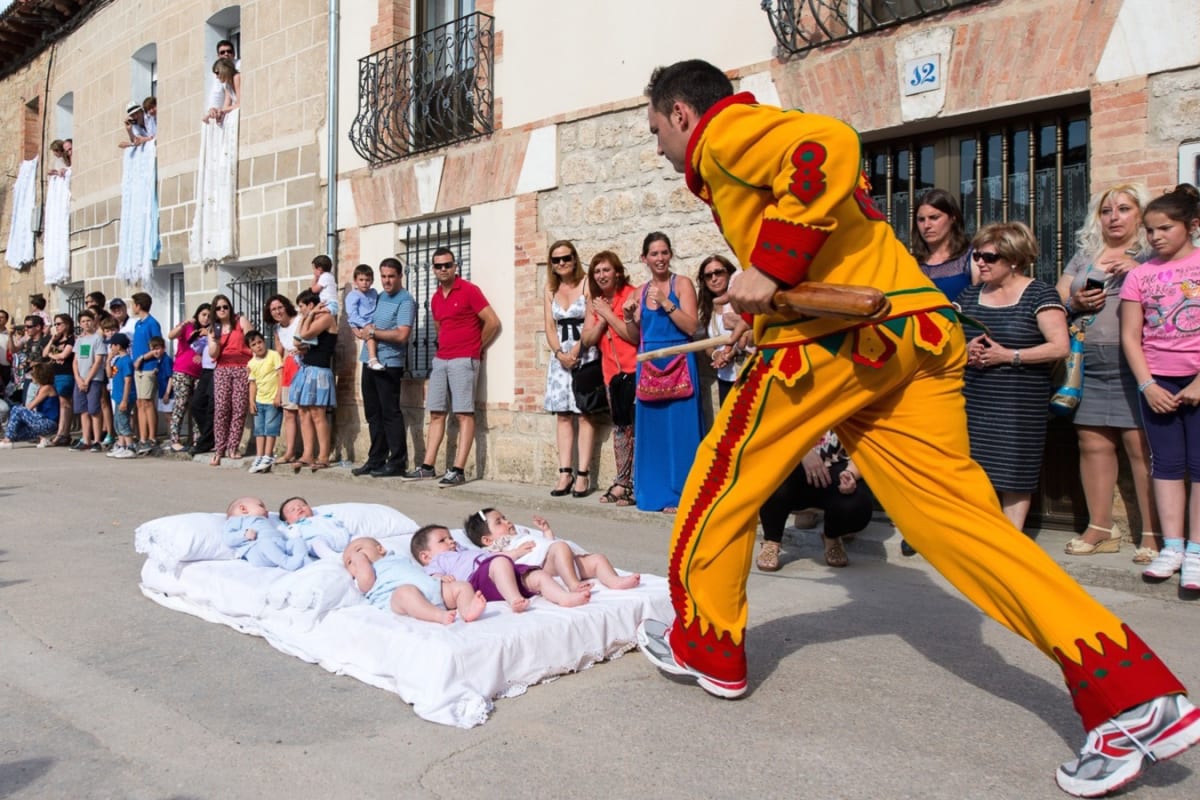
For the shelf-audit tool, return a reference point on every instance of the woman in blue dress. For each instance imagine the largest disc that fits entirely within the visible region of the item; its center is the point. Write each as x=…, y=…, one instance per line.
x=666, y=432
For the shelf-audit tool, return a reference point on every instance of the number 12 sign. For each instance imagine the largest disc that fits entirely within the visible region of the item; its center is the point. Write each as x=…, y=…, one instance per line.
x=922, y=74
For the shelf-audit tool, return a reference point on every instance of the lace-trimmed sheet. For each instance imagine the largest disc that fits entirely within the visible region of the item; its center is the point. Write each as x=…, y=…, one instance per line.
x=449, y=674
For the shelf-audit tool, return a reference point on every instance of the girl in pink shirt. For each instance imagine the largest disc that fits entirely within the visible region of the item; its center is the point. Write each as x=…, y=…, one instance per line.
x=1160, y=336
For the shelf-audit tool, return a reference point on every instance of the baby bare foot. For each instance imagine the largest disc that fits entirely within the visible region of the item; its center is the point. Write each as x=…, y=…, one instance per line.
x=624, y=581
x=578, y=597
x=448, y=617
x=474, y=609
x=519, y=605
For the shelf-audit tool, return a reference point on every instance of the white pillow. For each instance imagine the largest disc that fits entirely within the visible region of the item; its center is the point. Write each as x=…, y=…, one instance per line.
x=369, y=519
x=185, y=537
x=320, y=586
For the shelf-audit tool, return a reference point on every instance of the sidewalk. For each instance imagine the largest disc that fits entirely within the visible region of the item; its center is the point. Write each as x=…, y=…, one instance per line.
x=880, y=540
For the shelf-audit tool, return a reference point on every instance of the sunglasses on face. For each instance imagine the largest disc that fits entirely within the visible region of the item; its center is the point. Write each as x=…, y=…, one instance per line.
x=221, y=308
x=445, y=265
x=716, y=273
x=987, y=258
x=561, y=259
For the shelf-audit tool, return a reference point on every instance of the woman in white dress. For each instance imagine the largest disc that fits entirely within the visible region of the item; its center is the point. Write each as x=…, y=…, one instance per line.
x=565, y=311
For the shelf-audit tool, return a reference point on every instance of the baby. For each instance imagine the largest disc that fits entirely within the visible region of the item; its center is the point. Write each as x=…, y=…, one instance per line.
x=325, y=536
x=493, y=574
x=396, y=582
x=252, y=535
x=360, y=312
x=490, y=529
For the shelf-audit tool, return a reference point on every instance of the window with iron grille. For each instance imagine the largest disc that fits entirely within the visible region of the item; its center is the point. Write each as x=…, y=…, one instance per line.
x=75, y=303
x=178, y=309
x=801, y=25
x=420, y=240
x=1032, y=170
x=249, y=292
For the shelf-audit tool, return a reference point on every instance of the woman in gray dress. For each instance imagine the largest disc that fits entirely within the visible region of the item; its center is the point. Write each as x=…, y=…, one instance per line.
x=1111, y=243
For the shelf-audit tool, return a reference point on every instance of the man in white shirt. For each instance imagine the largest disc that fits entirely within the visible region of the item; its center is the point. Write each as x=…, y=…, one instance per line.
x=216, y=91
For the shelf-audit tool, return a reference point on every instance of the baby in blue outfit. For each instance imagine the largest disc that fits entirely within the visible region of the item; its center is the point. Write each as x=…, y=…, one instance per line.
x=392, y=581
x=324, y=535
x=250, y=532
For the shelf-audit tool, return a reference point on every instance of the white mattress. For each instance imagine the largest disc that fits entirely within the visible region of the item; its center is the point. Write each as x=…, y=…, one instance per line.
x=449, y=674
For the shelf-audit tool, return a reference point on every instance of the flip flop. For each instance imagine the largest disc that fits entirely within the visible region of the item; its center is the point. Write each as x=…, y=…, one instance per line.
x=320, y=465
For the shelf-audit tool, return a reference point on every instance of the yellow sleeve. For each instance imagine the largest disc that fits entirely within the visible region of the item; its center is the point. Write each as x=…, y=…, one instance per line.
x=810, y=164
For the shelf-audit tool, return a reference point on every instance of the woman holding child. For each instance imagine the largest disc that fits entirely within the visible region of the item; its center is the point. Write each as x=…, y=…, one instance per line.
x=188, y=366
x=227, y=345
x=312, y=388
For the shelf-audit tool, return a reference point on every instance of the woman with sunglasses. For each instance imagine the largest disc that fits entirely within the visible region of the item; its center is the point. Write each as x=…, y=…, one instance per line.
x=61, y=352
x=1112, y=243
x=231, y=387
x=1007, y=381
x=714, y=277
x=940, y=243
x=564, y=306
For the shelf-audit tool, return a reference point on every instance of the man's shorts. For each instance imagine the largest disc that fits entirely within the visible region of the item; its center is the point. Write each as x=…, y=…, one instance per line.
x=146, y=382
x=268, y=420
x=121, y=422
x=452, y=385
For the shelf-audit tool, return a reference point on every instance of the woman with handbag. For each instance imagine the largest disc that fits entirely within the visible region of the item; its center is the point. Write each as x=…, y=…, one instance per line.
x=1112, y=242
x=565, y=305
x=605, y=328
x=669, y=425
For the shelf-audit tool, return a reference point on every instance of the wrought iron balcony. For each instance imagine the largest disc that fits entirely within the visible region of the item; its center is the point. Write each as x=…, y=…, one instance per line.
x=801, y=25
x=426, y=92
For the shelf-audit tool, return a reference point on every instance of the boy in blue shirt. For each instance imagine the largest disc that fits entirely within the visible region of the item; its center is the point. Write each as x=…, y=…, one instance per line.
x=360, y=311
x=121, y=370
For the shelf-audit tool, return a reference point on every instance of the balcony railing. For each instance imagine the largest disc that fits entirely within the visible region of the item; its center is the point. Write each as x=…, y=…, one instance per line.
x=426, y=92
x=801, y=25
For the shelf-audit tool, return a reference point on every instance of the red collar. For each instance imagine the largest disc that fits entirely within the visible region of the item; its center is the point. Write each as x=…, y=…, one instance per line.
x=694, y=182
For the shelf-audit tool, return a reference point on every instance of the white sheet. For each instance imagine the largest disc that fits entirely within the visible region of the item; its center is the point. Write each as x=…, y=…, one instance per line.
x=449, y=674
x=20, y=230
x=56, y=258
x=138, y=243
x=213, y=237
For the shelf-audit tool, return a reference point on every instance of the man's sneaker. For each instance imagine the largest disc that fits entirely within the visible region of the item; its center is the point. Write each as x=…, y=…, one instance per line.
x=96, y=448
x=1117, y=751
x=112, y=453
x=1164, y=565
x=257, y=465
x=1190, y=579
x=80, y=445
x=109, y=441
x=418, y=474
x=452, y=478
x=655, y=645
x=125, y=452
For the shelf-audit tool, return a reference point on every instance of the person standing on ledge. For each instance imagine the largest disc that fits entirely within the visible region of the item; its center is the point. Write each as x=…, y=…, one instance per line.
x=787, y=191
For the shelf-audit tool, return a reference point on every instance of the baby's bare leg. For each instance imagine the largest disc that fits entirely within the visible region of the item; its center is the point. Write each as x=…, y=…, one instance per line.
x=503, y=574
x=597, y=565
x=469, y=603
x=545, y=585
x=560, y=563
x=408, y=601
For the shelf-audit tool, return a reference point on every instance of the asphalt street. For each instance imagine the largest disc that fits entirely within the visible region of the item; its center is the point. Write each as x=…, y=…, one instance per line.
x=875, y=681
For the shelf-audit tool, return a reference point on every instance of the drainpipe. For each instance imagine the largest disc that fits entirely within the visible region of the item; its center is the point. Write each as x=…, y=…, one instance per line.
x=331, y=121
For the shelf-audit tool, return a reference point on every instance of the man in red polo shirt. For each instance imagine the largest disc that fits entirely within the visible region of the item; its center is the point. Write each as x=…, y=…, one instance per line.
x=466, y=326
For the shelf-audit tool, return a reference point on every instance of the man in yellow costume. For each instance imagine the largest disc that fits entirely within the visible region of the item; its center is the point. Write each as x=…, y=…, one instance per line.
x=786, y=189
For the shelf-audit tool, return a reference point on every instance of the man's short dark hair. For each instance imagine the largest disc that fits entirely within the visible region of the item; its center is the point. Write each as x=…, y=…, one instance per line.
x=694, y=82
x=226, y=43
x=141, y=300
x=34, y=321
x=442, y=251
x=364, y=269
x=392, y=263
x=97, y=298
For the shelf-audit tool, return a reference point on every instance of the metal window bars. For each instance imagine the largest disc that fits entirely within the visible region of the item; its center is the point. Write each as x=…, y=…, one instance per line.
x=428, y=91
x=801, y=25
x=249, y=292
x=420, y=240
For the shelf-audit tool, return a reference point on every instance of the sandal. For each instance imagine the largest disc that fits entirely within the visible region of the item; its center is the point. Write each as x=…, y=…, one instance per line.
x=556, y=492
x=1144, y=555
x=610, y=496
x=835, y=554
x=215, y=460
x=286, y=460
x=768, y=557
x=587, y=489
x=176, y=447
x=1081, y=547
x=299, y=465
x=320, y=465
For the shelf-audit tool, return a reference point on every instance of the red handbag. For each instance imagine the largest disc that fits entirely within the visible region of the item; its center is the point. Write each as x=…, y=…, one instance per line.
x=672, y=382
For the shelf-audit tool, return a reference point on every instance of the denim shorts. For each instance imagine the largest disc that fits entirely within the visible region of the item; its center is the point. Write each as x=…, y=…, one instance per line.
x=268, y=420
x=121, y=422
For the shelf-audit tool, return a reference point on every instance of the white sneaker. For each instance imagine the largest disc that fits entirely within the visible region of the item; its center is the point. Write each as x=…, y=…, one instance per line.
x=1190, y=579
x=125, y=452
x=112, y=452
x=6, y=445
x=257, y=465
x=43, y=442
x=1164, y=565
x=268, y=462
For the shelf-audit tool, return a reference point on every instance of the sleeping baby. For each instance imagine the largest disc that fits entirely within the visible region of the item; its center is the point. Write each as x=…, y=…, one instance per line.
x=393, y=581
x=323, y=534
x=255, y=538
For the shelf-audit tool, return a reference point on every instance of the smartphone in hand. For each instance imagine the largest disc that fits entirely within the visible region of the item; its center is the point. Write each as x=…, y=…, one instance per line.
x=1093, y=283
